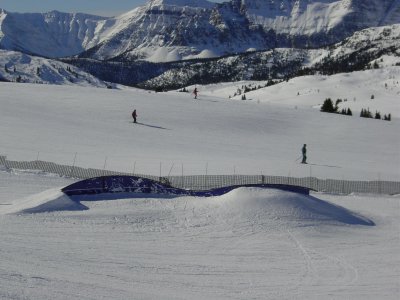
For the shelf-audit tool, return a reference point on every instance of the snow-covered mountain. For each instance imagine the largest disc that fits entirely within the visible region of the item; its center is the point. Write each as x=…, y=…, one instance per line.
x=363, y=50
x=20, y=67
x=168, y=30
x=52, y=34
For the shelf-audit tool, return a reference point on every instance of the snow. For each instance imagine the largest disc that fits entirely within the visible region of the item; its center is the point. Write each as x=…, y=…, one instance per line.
x=356, y=87
x=163, y=54
x=52, y=34
x=298, y=17
x=206, y=53
x=181, y=3
x=35, y=69
x=56, y=34
x=213, y=135
x=250, y=243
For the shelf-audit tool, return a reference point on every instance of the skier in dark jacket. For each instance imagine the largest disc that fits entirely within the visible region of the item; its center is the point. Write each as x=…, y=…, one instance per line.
x=134, y=115
x=195, y=91
x=304, y=153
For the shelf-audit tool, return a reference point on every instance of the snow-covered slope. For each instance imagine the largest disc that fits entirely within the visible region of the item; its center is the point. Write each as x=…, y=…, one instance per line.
x=247, y=244
x=214, y=134
x=250, y=243
x=20, y=67
x=370, y=39
x=192, y=28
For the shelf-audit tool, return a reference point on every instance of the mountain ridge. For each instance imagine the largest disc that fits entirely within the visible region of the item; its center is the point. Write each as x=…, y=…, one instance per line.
x=185, y=29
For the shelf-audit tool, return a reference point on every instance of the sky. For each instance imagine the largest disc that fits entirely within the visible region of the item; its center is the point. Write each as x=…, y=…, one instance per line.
x=95, y=7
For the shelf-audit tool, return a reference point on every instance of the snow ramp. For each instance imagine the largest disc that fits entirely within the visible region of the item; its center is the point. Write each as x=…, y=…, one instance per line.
x=251, y=206
x=47, y=201
x=273, y=207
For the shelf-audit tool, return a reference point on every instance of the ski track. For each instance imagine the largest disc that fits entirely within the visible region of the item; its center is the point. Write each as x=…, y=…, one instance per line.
x=341, y=273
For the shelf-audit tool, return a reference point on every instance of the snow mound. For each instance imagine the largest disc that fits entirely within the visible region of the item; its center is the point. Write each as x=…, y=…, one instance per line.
x=282, y=207
x=267, y=208
x=47, y=201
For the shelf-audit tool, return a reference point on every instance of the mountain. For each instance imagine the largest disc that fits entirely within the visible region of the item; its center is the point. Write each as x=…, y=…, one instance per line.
x=21, y=67
x=52, y=34
x=360, y=51
x=171, y=30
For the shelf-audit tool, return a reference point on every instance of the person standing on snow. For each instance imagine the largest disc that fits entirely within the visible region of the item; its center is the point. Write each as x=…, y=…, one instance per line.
x=134, y=115
x=195, y=91
x=304, y=153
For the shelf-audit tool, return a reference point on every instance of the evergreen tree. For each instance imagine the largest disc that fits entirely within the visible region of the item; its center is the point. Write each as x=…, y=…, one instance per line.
x=328, y=106
x=377, y=115
x=349, y=113
x=365, y=113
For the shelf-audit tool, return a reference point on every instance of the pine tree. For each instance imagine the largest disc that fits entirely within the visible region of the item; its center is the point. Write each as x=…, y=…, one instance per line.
x=377, y=115
x=328, y=106
x=349, y=113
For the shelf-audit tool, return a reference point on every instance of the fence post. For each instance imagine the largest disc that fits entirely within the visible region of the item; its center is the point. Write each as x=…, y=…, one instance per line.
x=73, y=165
x=379, y=184
x=104, y=167
x=182, y=176
x=37, y=160
x=205, y=178
x=343, y=186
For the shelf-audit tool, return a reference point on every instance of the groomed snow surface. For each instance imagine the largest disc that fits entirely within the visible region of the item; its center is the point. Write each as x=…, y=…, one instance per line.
x=250, y=243
x=213, y=134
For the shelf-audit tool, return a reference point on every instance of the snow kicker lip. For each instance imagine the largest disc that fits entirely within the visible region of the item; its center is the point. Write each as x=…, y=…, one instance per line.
x=134, y=184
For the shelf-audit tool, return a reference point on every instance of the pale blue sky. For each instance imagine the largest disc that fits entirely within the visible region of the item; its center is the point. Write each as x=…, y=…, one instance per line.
x=95, y=7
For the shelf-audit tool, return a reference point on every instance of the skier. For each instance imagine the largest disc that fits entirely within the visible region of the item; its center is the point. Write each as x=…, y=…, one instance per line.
x=134, y=115
x=304, y=153
x=195, y=91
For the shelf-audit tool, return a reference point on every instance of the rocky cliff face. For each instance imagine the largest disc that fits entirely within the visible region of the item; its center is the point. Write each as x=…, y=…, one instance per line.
x=168, y=30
